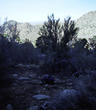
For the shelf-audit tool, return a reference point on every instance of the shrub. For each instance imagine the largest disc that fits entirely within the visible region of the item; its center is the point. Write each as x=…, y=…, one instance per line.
x=81, y=97
x=81, y=57
x=5, y=77
x=12, y=53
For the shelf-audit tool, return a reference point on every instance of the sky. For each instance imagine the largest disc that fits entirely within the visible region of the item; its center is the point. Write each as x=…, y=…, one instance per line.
x=36, y=11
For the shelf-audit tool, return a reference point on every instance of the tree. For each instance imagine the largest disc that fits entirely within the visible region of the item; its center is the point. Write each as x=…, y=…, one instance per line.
x=53, y=36
x=81, y=44
x=49, y=33
x=92, y=42
x=69, y=32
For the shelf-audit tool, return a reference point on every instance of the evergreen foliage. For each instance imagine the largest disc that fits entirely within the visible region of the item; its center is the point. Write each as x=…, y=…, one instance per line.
x=50, y=34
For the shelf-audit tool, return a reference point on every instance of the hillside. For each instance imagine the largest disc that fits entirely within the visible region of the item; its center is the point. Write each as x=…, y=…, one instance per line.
x=86, y=24
x=24, y=30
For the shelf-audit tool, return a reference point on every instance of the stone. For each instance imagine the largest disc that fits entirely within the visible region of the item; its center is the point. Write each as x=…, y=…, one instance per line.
x=23, y=78
x=33, y=108
x=57, y=81
x=69, y=94
x=32, y=75
x=35, y=81
x=65, y=100
x=15, y=75
x=19, y=66
x=41, y=97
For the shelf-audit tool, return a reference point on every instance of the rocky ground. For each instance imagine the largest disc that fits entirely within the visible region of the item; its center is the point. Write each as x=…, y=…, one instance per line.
x=28, y=92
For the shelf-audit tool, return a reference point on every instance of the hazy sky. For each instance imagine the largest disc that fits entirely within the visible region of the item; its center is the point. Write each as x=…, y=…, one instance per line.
x=38, y=10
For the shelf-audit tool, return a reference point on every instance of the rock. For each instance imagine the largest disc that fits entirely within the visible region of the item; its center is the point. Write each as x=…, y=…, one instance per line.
x=9, y=107
x=35, y=81
x=66, y=100
x=23, y=78
x=15, y=75
x=68, y=92
x=33, y=108
x=58, y=81
x=35, y=66
x=41, y=97
x=32, y=75
x=19, y=66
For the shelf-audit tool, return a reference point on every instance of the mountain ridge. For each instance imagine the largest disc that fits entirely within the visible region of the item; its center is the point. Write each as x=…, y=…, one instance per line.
x=86, y=24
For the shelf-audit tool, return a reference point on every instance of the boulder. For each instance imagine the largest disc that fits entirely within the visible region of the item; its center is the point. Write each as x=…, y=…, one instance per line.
x=66, y=100
x=23, y=78
x=41, y=97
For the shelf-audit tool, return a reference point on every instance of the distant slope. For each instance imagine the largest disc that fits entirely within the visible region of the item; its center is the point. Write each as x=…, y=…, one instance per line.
x=87, y=25
x=26, y=30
